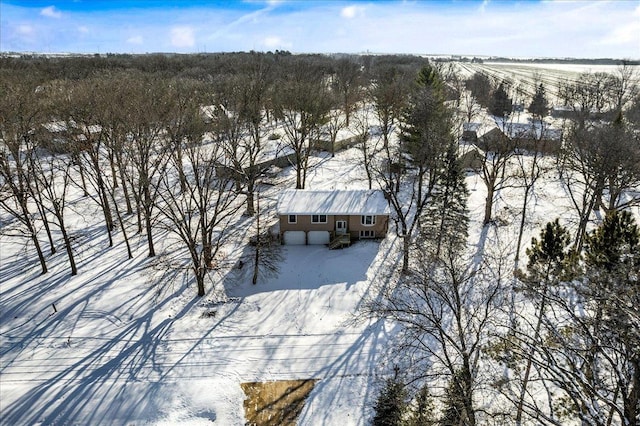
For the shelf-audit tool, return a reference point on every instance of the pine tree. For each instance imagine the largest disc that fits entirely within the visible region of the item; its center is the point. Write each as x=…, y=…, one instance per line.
x=550, y=261
x=455, y=411
x=614, y=244
x=422, y=412
x=549, y=258
x=539, y=106
x=391, y=404
x=501, y=104
x=612, y=289
x=446, y=221
x=427, y=121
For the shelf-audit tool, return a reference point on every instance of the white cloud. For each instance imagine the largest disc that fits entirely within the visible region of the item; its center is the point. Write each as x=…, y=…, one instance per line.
x=51, y=12
x=25, y=29
x=135, y=40
x=275, y=42
x=82, y=29
x=350, y=12
x=182, y=37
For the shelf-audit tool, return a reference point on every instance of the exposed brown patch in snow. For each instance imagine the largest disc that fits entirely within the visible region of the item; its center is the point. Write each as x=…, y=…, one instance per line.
x=275, y=403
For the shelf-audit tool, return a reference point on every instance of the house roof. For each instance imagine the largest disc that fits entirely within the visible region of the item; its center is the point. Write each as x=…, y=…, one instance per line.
x=347, y=202
x=525, y=131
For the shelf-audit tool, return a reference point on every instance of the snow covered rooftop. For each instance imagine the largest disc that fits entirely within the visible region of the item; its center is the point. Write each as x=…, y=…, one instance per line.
x=334, y=202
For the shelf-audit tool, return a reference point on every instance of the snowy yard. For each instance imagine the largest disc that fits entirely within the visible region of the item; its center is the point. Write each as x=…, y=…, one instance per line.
x=121, y=348
x=115, y=350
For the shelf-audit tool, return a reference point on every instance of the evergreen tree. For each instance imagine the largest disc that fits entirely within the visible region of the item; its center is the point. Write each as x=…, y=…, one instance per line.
x=614, y=244
x=425, y=136
x=391, y=403
x=422, y=412
x=539, y=106
x=611, y=290
x=501, y=104
x=549, y=258
x=426, y=131
x=455, y=411
x=480, y=88
x=550, y=261
x=446, y=221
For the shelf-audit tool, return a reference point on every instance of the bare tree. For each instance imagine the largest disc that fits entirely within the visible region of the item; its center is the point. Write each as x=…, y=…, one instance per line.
x=52, y=174
x=240, y=122
x=600, y=169
x=530, y=173
x=499, y=147
x=200, y=212
x=147, y=150
x=80, y=107
x=347, y=82
x=369, y=147
x=302, y=105
x=445, y=307
x=19, y=115
x=388, y=92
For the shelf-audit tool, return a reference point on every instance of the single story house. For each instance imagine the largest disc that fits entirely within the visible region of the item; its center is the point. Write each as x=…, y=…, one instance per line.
x=322, y=217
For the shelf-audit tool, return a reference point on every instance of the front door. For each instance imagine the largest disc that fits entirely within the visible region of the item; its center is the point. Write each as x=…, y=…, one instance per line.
x=341, y=227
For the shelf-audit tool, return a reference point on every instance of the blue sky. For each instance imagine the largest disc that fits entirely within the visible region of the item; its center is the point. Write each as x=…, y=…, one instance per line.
x=547, y=28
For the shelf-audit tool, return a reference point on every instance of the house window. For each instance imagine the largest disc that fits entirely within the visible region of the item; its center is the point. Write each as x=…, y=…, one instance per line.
x=367, y=234
x=318, y=218
x=293, y=218
x=368, y=220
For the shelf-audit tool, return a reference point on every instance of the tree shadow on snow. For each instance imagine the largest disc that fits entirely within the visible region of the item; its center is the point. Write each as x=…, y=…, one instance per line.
x=120, y=377
x=305, y=268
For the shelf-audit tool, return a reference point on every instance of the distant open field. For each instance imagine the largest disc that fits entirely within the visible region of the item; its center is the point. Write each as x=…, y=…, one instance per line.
x=526, y=76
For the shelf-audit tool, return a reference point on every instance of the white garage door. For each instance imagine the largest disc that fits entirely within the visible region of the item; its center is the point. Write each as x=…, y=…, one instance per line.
x=319, y=237
x=294, y=238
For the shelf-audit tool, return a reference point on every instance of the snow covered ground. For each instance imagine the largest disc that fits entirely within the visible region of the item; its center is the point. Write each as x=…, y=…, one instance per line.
x=128, y=342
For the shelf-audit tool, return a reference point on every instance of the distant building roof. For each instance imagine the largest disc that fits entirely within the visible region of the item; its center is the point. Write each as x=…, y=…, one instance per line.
x=334, y=202
x=526, y=131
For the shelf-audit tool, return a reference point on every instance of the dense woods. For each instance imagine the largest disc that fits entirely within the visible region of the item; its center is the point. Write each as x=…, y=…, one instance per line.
x=180, y=144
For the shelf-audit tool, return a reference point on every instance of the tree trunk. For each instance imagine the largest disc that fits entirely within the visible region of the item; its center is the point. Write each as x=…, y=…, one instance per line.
x=527, y=370
x=405, y=249
x=299, y=184
x=207, y=250
x=522, y=223
x=122, y=226
x=125, y=191
x=67, y=245
x=82, y=179
x=106, y=210
x=250, y=196
x=36, y=243
x=200, y=274
x=43, y=215
x=147, y=221
x=488, y=207
x=112, y=164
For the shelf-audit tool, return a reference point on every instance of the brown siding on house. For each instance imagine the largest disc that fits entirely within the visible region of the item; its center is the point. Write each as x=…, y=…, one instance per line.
x=304, y=224
x=354, y=224
x=380, y=227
